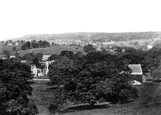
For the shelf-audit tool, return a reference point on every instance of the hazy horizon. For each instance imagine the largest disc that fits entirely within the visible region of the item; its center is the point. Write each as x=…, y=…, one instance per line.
x=20, y=18
x=10, y=38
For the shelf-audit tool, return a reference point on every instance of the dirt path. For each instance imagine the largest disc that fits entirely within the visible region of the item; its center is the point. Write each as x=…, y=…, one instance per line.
x=42, y=96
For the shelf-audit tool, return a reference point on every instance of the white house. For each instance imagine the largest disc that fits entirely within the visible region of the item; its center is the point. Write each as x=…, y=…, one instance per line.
x=136, y=74
x=45, y=57
x=41, y=72
x=47, y=63
x=34, y=70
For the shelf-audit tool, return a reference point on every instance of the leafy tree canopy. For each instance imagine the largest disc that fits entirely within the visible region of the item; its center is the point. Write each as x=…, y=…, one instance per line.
x=15, y=88
x=89, y=48
x=91, y=78
x=67, y=53
x=7, y=54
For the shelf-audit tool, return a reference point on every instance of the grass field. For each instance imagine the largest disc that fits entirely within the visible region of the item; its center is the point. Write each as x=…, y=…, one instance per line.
x=9, y=48
x=46, y=51
x=43, y=96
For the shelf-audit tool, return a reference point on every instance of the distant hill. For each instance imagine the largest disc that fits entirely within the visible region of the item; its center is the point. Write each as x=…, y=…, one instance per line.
x=92, y=36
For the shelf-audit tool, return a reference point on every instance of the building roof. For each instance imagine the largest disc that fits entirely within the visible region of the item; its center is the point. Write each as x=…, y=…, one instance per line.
x=136, y=69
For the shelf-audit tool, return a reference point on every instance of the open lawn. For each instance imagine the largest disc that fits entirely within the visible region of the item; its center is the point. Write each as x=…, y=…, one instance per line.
x=43, y=96
x=52, y=49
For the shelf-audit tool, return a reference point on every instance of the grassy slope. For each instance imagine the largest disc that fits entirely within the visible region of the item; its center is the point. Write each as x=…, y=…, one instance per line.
x=9, y=48
x=43, y=96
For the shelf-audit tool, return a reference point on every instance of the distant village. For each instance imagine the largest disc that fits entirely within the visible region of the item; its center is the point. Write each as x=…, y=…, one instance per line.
x=135, y=43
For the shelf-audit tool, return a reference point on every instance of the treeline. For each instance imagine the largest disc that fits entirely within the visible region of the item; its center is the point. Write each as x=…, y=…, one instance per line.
x=35, y=44
x=28, y=44
x=11, y=42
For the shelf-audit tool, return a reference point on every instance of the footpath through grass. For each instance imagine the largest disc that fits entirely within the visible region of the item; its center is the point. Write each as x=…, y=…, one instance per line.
x=42, y=95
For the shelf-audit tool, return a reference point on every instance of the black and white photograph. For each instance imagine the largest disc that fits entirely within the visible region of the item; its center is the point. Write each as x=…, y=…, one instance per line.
x=80, y=57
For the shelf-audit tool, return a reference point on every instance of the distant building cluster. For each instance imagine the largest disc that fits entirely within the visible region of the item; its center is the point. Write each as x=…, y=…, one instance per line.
x=40, y=71
x=35, y=70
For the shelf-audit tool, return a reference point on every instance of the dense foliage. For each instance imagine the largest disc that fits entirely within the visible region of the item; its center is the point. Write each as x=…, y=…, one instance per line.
x=53, y=57
x=103, y=76
x=94, y=77
x=7, y=54
x=15, y=88
x=89, y=48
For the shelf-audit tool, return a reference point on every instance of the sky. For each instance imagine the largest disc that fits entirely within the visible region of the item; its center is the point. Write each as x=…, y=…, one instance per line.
x=22, y=17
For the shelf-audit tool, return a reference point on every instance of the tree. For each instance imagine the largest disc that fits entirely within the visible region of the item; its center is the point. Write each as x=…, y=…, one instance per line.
x=45, y=44
x=10, y=41
x=66, y=53
x=91, y=78
x=6, y=43
x=40, y=43
x=6, y=53
x=133, y=56
x=17, y=55
x=22, y=42
x=15, y=88
x=14, y=48
x=26, y=46
x=2, y=42
x=29, y=57
x=152, y=60
x=53, y=57
x=34, y=44
x=156, y=73
x=53, y=43
x=89, y=48
x=64, y=63
x=39, y=56
x=19, y=42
